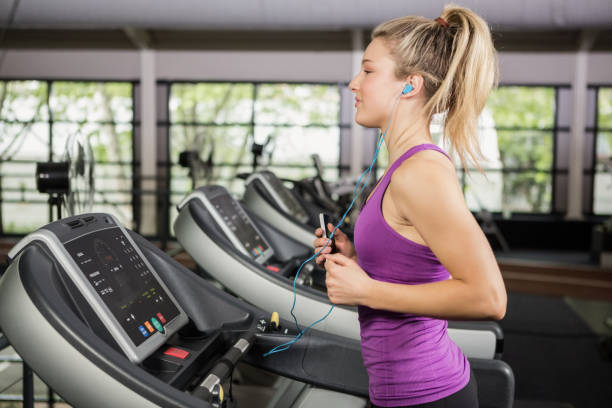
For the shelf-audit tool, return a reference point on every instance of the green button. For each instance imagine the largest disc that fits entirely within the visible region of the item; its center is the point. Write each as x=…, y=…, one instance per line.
x=157, y=324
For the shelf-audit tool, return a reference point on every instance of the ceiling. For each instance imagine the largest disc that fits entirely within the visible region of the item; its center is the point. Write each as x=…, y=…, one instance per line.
x=296, y=14
x=517, y=25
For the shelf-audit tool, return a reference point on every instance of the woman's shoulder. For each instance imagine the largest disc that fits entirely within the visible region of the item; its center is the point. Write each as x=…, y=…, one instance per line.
x=425, y=175
x=426, y=165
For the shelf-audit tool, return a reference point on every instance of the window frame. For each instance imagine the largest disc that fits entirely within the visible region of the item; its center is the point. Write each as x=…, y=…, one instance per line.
x=592, y=171
x=554, y=171
x=167, y=163
x=135, y=163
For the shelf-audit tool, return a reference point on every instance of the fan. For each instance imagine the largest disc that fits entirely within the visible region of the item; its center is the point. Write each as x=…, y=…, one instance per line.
x=70, y=181
x=200, y=170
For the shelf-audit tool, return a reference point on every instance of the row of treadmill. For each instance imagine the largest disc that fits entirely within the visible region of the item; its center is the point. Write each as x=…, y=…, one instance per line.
x=106, y=318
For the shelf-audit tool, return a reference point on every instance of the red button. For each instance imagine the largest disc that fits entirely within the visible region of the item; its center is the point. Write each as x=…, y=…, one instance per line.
x=176, y=352
x=273, y=268
x=161, y=318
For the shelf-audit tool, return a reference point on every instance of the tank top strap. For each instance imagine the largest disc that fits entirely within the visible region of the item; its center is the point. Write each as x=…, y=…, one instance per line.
x=411, y=152
x=382, y=184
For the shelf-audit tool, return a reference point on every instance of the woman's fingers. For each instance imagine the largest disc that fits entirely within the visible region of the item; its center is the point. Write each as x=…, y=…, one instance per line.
x=338, y=258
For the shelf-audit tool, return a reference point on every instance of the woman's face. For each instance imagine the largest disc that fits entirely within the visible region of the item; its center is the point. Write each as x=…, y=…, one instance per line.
x=375, y=87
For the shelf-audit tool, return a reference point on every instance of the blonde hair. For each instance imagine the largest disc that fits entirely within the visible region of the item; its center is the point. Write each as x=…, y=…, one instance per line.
x=458, y=63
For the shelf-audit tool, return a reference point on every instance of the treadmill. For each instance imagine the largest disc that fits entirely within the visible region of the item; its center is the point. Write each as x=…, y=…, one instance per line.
x=267, y=197
x=258, y=263
x=107, y=319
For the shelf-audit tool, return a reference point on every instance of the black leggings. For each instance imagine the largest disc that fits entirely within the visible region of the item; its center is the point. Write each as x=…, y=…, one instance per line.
x=467, y=397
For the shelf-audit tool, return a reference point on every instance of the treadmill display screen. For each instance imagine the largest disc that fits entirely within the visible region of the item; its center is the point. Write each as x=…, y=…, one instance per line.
x=289, y=200
x=239, y=223
x=124, y=282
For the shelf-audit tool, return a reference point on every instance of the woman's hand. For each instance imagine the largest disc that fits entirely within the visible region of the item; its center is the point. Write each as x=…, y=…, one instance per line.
x=347, y=283
x=344, y=245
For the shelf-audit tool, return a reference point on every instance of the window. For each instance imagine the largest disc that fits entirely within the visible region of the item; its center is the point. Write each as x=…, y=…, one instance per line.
x=524, y=119
x=37, y=118
x=24, y=140
x=602, y=193
x=221, y=121
x=516, y=136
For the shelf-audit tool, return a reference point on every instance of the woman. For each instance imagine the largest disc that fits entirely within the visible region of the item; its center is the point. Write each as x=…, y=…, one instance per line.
x=419, y=256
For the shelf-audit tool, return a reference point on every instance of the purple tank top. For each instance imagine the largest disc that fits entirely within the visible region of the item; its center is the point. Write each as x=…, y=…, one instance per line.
x=410, y=359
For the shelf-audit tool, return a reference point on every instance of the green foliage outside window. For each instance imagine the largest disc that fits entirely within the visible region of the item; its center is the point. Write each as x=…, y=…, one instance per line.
x=526, y=147
x=523, y=119
x=226, y=118
x=31, y=129
x=602, y=198
x=222, y=121
x=604, y=119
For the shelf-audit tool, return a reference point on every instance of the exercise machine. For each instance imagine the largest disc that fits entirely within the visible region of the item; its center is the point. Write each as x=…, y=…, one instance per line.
x=258, y=262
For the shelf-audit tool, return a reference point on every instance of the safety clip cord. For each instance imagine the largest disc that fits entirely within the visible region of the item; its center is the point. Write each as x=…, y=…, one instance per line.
x=360, y=186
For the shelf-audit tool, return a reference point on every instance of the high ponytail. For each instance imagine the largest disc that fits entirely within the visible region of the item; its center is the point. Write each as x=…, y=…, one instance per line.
x=455, y=56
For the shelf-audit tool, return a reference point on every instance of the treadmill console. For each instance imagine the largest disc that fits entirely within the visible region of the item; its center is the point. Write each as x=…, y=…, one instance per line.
x=281, y=195
x=234, y=221
x=124, y=283
x=116, y=280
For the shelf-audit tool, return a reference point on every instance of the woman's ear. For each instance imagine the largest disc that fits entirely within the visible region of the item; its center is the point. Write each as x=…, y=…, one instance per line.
x=413, y=85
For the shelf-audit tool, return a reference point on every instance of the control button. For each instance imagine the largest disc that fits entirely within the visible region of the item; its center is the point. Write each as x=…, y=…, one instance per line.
x=149, y=327
x=176, y=352
x=273, y=268
x=162, y=318
x=143, y=331
x=260, y=248
x=157, y=324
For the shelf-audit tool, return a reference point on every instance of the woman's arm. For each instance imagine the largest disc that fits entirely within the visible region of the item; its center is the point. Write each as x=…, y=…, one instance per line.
x=427, y=193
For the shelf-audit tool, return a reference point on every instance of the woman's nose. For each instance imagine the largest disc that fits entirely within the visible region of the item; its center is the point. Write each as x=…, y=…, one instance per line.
x=353, y=85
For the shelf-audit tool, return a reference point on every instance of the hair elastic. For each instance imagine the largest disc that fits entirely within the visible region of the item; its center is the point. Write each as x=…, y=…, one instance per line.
x=442, y=22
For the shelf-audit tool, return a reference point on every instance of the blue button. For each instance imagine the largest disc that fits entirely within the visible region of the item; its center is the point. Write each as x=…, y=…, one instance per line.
x=143, y=331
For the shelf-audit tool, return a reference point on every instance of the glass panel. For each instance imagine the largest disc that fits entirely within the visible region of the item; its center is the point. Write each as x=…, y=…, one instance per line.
x=521, y=153
x=92, y=102
x=24, y=141
x=23, y=101
x=112, y=148
x=229, y=145
x=228, y=110
x=484, y=191
x=19, y=182
x=381, y=163
x=523, y=106
x=21, y=145
x=211, y=103
x=294, y=145
x=24, y=209
x=110, y=143
x=24, y=217
x=602, y=203
x=526, y=149
x=297, y=104
x=604, y=107
x=527, y=191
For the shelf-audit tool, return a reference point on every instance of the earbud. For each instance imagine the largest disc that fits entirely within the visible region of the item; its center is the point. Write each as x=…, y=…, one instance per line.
x=407, y=88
